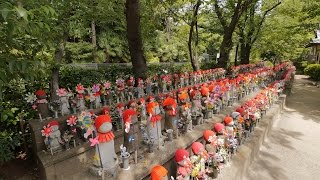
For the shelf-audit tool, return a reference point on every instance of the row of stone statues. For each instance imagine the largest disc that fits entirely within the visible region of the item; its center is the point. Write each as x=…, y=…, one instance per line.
x=180, y=110
x=102, y=94
x=219, y=143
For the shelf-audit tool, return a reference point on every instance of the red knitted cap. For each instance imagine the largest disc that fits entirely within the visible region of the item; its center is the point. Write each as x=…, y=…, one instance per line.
x=228, y=120
x=40, y=92
x=180, y=155
x=207, y=134
x=240, y=110
x=204, y=91
x=158, y=172
x=53, y=123
x=218, y=127
x=101, y=119
x=169, y=102
x=197, y=147
x=127, y=115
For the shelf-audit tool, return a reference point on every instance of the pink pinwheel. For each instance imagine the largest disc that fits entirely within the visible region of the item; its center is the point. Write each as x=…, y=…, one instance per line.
x=88, y=133
x=120, y=84
x=46, y=131
x=96, y=88
x=140, y=82
x=107, y=85
x=94, y=141
x=80, y=89
x=71, y=121
x=62, y=92
x=34, y=106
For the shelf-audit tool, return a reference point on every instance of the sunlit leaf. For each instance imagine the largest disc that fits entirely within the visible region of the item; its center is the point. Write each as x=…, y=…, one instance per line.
x=21, y=12
x=4, y=13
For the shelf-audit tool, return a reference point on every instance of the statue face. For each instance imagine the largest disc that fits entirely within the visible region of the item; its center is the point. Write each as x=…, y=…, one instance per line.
x=105, y=127
x=54, y=128
x=134, y=119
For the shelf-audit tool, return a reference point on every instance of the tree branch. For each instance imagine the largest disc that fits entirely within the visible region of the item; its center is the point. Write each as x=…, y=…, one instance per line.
x=218, y=11
x=252, y=26
x=174, y=13
x=262, y=20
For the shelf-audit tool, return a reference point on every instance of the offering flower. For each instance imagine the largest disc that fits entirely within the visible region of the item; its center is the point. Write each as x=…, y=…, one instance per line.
x=80, y=88
x=107, y=85
x=71, y=121
x=120, y=84
x=62, y=92
x=30, y=98
x=96, y=88
x=46, y=131
x=94, y=141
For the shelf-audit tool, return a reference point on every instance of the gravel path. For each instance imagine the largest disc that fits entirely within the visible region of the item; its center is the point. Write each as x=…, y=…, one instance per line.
x=292, y=150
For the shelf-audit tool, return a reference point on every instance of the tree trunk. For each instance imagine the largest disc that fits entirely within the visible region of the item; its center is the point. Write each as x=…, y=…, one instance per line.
x=245, y=52
x=59, y=53
x=138, y=60
x=226, y=45
x=194, y=61
x=94, y=41
x=236, y=56
x=225, y=49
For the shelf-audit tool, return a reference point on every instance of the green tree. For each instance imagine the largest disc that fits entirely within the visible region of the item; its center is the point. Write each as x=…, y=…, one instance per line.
x=229, y=13
x=23, y=45
x=250, y=27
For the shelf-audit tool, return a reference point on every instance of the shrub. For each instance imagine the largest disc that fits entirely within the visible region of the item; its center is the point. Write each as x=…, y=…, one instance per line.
x=208, y=65
x=269, y=64
x=313, y=70
x=10, y=137
x=71, y=76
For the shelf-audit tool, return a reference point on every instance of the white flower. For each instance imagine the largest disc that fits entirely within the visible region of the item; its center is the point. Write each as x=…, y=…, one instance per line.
x=30, y=98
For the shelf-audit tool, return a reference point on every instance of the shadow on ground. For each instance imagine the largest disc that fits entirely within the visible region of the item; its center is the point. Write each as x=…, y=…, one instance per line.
x=304, y=99
x=282, y=138
x=265, y=161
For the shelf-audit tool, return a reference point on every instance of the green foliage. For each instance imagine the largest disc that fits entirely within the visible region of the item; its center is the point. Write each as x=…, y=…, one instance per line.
x=23, y=40
x=71, y=76
x=170, y=48
x=208, y=65
x=11, y=111
x=8, y=143
x=79, y=52
x=9, y=133
x=287, y=30
x=269, y=64
x=115, y=47
x=313, y=70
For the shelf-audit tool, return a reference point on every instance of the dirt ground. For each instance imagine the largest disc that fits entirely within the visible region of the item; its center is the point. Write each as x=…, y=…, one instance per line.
x=19, y=169
x=292, y=150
